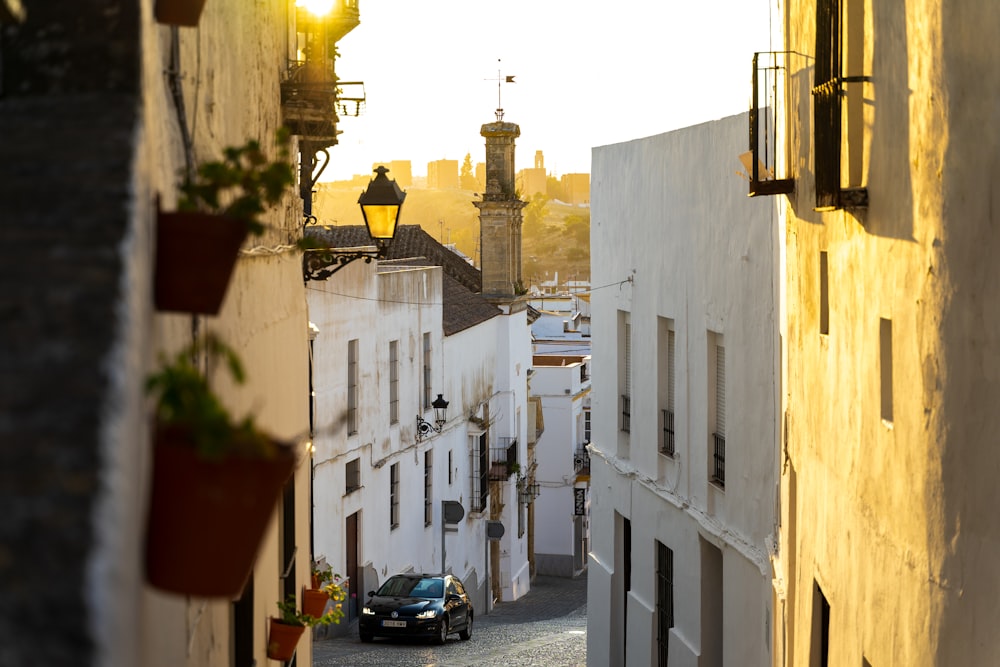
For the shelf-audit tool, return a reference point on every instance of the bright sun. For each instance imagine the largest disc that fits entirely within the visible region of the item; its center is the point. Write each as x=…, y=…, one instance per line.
x=317, y=7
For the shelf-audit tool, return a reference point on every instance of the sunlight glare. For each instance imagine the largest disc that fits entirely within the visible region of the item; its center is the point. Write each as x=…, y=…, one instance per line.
x=317, y=7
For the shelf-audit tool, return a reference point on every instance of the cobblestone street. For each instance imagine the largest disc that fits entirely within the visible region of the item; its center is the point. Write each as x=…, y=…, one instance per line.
x=545, y=628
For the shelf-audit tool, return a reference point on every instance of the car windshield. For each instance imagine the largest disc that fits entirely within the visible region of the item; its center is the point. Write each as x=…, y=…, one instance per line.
x=415, y=587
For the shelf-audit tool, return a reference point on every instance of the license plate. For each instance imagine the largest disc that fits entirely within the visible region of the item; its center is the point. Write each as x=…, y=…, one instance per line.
x=393, y=624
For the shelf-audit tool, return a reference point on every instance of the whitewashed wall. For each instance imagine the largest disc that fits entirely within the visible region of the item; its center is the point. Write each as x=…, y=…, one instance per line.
x=672, y=223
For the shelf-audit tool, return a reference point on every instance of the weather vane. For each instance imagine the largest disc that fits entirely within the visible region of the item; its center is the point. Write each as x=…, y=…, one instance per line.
x=501, y=80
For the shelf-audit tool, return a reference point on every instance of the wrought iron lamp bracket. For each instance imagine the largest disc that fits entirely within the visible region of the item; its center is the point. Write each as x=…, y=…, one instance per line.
x=321, y=263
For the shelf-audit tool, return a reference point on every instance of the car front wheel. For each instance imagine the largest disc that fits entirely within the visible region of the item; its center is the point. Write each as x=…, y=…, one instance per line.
x=443, y=631
x=466, y=634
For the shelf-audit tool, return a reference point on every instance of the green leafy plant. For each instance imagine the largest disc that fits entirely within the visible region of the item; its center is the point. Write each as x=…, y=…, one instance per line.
x=185, y=402
x=290, y=614
x=241, y=184
x=322, y=572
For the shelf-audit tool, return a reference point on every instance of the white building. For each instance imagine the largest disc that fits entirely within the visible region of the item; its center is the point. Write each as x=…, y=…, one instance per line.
x=561, y=525
x=391, y=337
x=684, y=455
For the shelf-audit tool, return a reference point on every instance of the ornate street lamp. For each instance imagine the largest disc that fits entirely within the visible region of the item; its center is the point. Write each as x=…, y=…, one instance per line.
x=440, y=418
x=380, y=204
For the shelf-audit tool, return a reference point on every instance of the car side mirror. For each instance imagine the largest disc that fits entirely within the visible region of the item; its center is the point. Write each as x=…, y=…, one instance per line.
x=371, y=594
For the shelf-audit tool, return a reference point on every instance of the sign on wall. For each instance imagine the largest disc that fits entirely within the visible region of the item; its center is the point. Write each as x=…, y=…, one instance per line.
x=579, y=501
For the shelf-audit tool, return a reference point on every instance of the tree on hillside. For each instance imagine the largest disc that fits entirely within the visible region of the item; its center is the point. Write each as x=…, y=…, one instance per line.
x=554, y=188
x=534, y=213
x=578, y=228
x=466, y=178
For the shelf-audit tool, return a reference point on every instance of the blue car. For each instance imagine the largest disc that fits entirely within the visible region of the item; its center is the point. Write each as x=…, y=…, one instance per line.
x=417, y=605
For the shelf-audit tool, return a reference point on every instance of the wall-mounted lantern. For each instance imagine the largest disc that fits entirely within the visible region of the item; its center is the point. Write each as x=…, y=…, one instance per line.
x=424, y=427
x=380, y=204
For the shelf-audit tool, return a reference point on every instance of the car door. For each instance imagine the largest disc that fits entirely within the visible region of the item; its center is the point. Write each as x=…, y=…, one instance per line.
x=458, y=608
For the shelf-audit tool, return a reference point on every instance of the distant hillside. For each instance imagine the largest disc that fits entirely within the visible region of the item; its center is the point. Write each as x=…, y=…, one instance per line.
x=556, y=236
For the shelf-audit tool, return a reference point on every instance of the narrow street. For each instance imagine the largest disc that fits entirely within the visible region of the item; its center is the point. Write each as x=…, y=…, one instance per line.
x=545, y=628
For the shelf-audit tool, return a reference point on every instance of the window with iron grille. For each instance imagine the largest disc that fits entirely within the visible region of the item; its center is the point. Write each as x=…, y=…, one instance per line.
x=586, y=425
x=394, y=382
x=479, y=454
x=719, y=430
x=428, y=488
x=352, y=474
x=665, y=384
x=839, y=42
x=394, y=496
x=625, y=349
x=664, y=601
x=352, y=387
x=427, y=371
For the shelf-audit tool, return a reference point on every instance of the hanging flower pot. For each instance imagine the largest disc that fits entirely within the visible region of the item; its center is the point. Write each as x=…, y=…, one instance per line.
x=195, y=256
x=178, y=12
x=314, y=602
x=218, y=205
x=283, y=639
x=207, y=516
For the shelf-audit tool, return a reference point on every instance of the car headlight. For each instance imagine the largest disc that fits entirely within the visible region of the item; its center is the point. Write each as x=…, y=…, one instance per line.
x=427, y=613
x=367, y=611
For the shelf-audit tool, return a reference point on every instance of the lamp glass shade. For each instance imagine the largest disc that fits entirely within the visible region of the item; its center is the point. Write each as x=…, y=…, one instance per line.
x=440, y=409
x=380, y=206
x=381, y=220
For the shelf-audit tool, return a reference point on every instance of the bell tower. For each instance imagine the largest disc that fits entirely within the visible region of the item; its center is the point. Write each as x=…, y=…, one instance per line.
x=500, y=215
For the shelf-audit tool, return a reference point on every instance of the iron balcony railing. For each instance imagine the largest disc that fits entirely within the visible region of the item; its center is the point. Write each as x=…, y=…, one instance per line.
x=667, y=443
x=626, y=413
x=719, y=469
x=581, y=460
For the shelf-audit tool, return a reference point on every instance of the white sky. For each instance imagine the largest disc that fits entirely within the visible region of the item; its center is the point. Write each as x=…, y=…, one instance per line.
x=588, y=74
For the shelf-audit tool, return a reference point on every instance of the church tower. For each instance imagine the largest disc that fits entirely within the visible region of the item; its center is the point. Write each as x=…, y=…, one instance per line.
x=500, y=215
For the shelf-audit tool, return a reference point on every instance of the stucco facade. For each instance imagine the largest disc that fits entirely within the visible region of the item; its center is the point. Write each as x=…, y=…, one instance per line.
x=561, y=522
x=680, y=535
x=100, y=107
x=889, y=487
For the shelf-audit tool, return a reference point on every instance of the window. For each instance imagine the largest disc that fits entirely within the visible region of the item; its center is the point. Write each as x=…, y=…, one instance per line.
x=428, y=488
x=625, y=371
x=352, y=387
x=586, y=425
x=479, y=453
x=712, y=604
x=717, y=400
x=824, y=294
x=664, y=600
x=831, y=89
x=352, y=474
x=819, y=654
x=451, y=467
x=394, y=382
x=394, y=496
x=885, y=367
x=427, y=371
x=665, y=389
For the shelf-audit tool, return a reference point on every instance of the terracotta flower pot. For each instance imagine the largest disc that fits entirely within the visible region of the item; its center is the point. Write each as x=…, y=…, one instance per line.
x=314, y=602
x=207, y=517
x=195, y=257
x=283, y=639
x=178, y=12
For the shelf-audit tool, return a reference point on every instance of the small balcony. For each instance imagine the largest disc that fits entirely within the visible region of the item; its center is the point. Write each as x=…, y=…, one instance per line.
x=765, y=161
x=503, y=460
x=581, y=460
